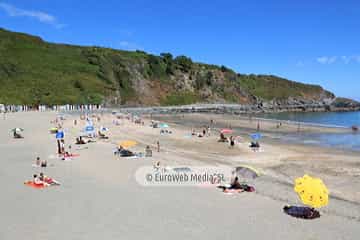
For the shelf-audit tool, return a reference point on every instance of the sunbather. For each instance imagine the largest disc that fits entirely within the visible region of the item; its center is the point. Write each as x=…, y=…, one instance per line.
x=122, y=152
x=37, y=181
x=80, y=140
x=102, y=135
x=235, y=184
x=47, y=179
x=301, y=212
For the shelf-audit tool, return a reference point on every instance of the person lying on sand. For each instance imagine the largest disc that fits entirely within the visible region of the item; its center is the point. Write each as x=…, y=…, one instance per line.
x=122, y=152
x=301, y=212
x=102, y=135
x=236, y=185
x=47, y=179
x=80, y=141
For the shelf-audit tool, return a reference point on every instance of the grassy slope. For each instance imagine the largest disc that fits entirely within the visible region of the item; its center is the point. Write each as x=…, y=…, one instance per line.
x=33, y=71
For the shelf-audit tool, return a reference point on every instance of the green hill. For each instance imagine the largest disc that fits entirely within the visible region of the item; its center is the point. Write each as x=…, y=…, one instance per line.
x=33, y=71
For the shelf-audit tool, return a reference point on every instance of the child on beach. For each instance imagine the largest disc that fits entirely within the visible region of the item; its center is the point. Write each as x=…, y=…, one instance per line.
x=38, y=162
x=43, y=164
x=232, y=142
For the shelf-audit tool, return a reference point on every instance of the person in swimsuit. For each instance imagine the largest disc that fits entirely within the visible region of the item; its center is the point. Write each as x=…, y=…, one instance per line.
x=235, y=184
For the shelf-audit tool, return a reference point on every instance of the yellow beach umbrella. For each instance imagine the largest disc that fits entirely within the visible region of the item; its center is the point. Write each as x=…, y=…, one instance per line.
x=312, y=191
x=127, y=143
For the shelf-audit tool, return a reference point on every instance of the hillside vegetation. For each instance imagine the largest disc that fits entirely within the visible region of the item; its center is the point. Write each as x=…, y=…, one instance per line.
x=33, y=71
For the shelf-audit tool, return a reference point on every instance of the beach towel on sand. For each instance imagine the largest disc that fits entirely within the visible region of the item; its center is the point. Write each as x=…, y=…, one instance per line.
x=47, y=183
x=70, y=155
x=301, y=212
x=34, y=185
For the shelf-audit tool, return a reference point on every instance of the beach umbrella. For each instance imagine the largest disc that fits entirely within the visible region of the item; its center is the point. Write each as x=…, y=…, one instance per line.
x=312, y=191
x=89, y=128
x=163, y=125
x=226, y=131
x=256, y=136
x=247, y=172
x=127, y=143
x=17, y=130
x=53, y=130
x=103, y=129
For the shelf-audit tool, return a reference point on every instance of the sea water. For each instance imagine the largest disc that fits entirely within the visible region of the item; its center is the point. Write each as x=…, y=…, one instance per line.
x=350, y=140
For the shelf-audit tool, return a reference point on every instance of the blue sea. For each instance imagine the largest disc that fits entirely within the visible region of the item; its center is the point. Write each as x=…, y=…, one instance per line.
x=348, y=140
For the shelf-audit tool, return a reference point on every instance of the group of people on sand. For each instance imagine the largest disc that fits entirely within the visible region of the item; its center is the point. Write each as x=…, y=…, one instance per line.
x=122, y=152
x=206, y=132
x=42, y=180
x=230, y=140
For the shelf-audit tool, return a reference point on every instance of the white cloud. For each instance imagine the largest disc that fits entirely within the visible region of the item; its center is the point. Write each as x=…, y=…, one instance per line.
x=326, y=60
x=43, y=17
x=345, y=59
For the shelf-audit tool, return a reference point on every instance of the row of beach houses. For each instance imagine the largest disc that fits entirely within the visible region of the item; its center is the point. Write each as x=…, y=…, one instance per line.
x=43, y=108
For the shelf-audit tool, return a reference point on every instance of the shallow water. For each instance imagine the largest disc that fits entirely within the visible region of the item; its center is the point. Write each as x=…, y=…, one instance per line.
x=343, y=119
x=344, y=141
x=349, y=141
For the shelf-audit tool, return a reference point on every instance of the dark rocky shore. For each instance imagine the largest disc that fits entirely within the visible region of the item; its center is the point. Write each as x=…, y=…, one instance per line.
x=290, y=105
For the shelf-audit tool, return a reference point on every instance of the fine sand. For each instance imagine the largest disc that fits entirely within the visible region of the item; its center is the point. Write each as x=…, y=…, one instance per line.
x=100, y=198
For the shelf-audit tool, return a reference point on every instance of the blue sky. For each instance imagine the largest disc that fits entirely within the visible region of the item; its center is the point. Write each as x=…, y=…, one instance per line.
x=309, y=41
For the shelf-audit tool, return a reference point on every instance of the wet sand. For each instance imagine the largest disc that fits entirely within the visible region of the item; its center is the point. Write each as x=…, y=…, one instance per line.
x=99, y=197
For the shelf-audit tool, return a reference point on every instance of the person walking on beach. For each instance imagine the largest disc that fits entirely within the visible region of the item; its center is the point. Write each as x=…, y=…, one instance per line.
x=158, y=146
x=232, y=142
x=258, y=127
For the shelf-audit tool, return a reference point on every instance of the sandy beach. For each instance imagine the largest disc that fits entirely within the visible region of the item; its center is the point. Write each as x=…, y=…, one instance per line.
x=100, y=198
